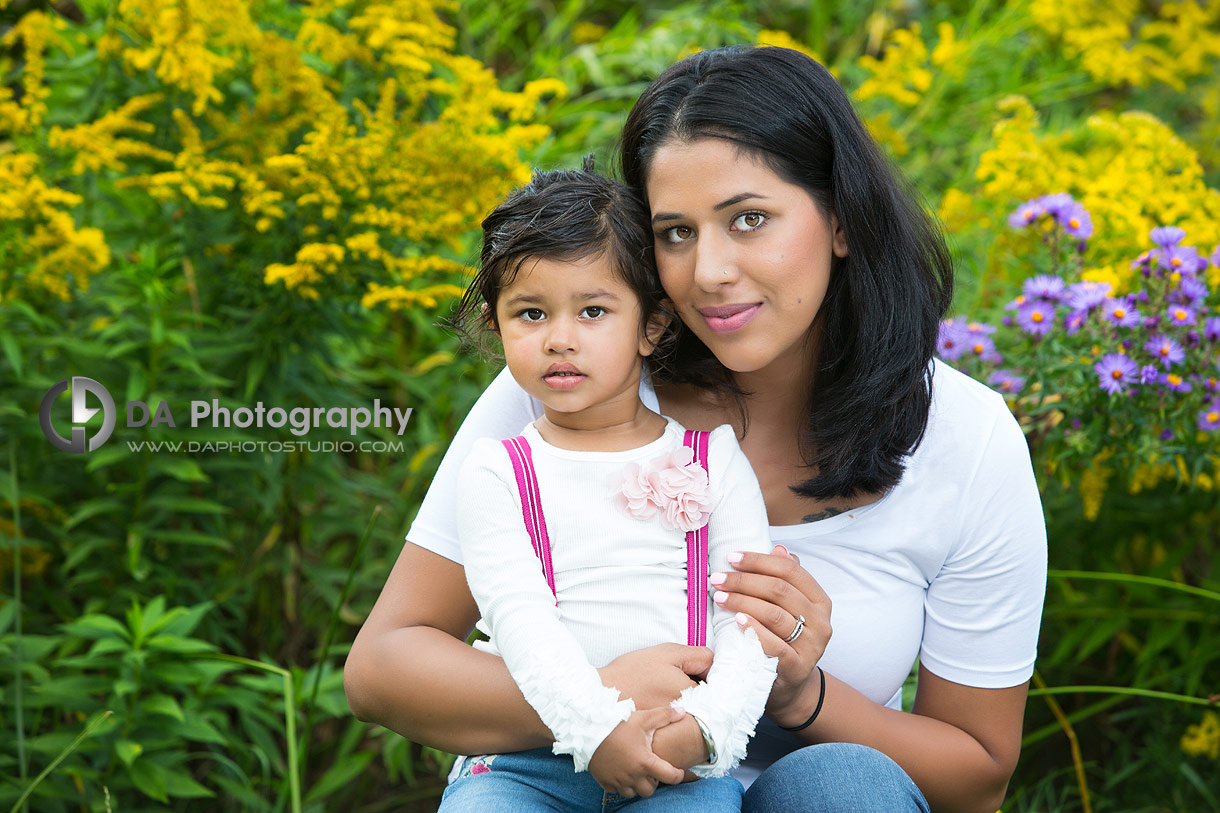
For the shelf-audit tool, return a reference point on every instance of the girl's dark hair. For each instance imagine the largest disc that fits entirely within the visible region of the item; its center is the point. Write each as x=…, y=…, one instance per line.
x=876, y=329
x=567, y=215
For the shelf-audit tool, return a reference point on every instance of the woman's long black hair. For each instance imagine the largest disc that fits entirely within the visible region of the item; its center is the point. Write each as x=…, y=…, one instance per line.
x=877, y=326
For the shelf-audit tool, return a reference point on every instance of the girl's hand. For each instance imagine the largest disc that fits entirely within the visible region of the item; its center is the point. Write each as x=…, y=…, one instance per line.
x=625, y=764
x=774, y=590
x=656, y=675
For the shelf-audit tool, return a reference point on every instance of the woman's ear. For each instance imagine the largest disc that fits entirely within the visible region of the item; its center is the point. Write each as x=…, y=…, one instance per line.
x=655, y=329
x=838, y=240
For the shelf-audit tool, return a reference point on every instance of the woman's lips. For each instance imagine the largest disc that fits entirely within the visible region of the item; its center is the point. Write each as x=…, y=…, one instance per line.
x=727, y=318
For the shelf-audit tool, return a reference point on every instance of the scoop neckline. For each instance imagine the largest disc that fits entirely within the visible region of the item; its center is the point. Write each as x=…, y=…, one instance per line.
x=535, y=438
x=825, y=526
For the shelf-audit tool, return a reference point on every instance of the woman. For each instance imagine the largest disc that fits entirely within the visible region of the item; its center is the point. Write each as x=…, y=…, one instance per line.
x=812, y=286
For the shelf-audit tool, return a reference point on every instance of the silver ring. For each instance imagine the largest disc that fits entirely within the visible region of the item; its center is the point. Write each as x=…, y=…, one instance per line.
x=796, y=632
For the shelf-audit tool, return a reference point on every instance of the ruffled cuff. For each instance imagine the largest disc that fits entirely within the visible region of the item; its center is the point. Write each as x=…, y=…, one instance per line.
x=732, y=699
x=574, y=705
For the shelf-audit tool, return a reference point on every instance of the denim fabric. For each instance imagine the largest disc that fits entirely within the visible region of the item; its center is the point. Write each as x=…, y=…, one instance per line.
x=836, y=777
x=538, y=780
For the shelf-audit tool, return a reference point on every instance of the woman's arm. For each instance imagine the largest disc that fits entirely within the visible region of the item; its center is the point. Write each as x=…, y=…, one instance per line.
x=411, y=671
x=960, y=745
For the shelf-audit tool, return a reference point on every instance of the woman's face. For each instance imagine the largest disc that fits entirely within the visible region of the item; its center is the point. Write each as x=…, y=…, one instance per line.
x=744, y=255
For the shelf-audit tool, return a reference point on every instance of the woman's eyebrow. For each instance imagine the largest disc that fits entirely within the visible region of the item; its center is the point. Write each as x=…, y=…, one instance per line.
x=724, y=204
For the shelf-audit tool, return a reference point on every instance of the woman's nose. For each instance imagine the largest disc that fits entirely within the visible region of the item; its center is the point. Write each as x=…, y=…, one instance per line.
x=715, y=261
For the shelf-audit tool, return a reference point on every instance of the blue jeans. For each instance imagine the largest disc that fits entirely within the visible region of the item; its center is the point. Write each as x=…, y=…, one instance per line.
x=834, y=777
x=539, y=780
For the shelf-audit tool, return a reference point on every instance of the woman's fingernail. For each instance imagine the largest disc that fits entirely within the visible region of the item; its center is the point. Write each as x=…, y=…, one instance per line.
x=780, y=550
x=720, y=597
x=734, y=558
x=743, y=619
x=718, y=578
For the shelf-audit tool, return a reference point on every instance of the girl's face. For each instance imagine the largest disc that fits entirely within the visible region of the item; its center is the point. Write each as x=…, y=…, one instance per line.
x=573, y=338
x=744, y=255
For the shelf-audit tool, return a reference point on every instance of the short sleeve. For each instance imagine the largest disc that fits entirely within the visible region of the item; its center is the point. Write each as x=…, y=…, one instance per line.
x=501, y=412
x=984, y=607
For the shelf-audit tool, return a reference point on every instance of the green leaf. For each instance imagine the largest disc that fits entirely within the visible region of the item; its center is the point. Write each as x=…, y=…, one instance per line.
x=340, y=774
x=181, y=646
x=198, y=729
x=91, y=508
x=145, y=776
x=95, y=625
x=180, y=468
x=163, y=704
x=108, y=455
x=11, y=351
x=128, y=751
x=186, y=505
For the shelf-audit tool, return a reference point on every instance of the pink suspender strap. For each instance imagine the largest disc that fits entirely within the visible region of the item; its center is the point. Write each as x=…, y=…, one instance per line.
x=531, y=505
x=696, y=557
x=696, y=541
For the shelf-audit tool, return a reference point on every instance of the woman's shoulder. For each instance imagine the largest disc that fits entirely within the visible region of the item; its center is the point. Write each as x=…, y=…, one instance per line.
x=968, y=423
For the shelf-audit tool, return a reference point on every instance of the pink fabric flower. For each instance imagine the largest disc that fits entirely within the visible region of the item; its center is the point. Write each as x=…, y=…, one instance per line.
x=673, y=485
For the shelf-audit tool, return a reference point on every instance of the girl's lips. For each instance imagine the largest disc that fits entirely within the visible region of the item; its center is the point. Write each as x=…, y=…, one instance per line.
x=559, y=382
x=730, y=318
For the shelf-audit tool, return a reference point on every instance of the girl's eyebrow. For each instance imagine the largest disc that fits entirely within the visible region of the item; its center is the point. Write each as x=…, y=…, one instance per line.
x=533, y=299
x=724, y=204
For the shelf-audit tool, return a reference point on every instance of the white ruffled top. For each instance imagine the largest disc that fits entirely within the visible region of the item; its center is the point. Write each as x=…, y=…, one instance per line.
x=617, y=523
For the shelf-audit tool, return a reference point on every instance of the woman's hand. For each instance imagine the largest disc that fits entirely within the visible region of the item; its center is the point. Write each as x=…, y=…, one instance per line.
x=656, y=675
x=774, y=591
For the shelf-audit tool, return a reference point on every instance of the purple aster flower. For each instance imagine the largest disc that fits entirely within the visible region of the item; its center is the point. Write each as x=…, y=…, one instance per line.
x=1152, y=322
x=1166, y=236
x=1179, y=315
x=1120, y=311
x=1114, y=372
x=1142, y=261
x=1075, y=321
x=1149, y=374
x=1190, y=290
x=1036, y=317
x=1212, y=384
x=1056, y=204
x=982, y=347
x=951, y=340
x=1184, y=260
x=1209, y=418
x=1166, y=434
x=1006, y=382
x=1026, y=213
x=1086, y=295
x=1165, y=350
x=1076, y=221
x=1215, y=258
x=979, y=329
x=1044, y=286
x=1016, y=303
x=1175, y=383
x=1211, y=329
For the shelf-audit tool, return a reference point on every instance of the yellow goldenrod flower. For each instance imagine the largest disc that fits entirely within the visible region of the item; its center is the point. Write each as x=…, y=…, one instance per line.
x=1203, y=740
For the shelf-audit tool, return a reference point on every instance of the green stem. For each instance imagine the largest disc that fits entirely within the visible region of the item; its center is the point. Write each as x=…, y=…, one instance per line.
x=330, y=634
x=17, y=709
x=290, y=725
x=1134, y=579
x=1132, y=691
x=62, y=754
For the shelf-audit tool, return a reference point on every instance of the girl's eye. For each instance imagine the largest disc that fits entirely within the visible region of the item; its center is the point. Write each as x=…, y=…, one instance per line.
x=677, y=234
x=595, y=311
x=531, y=315
x=749, y=221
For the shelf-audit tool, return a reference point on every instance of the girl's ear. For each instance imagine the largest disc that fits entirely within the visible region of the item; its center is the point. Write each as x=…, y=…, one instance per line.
x=657, y=324
x=489, y=318
x=838, y=240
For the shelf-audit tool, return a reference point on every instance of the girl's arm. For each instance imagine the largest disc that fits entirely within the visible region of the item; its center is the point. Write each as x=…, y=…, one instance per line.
x=732, y=698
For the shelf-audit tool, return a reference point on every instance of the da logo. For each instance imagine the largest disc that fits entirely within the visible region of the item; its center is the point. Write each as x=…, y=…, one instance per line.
x=81, y=413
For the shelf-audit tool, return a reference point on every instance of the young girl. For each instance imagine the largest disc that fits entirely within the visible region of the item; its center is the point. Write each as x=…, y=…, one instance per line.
x=606, y=556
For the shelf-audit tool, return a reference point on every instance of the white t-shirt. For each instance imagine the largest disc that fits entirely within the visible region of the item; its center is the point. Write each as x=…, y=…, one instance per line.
x=620, y=579
x=949, y=566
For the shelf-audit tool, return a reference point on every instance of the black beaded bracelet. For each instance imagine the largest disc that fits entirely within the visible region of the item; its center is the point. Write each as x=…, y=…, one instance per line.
x=818, y=708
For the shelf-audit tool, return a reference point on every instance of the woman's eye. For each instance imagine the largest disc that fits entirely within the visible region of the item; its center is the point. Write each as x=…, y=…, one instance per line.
x=749, y=221
x=677, y=234
x=531, y=315
x=594, y=311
